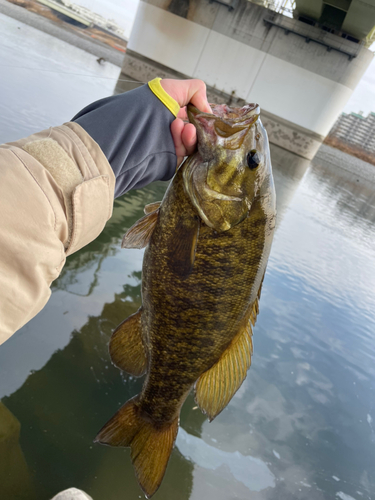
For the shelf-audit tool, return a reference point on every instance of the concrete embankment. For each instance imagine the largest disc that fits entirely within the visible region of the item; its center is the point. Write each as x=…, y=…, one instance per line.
x=63, y=32
x=338, y=158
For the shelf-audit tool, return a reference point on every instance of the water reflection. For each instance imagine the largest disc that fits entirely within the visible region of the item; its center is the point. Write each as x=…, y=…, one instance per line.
x=64, y=404
x=301, y=424
x=288, y=170
x=15, y=477
x=353, y=196
x=251, y=472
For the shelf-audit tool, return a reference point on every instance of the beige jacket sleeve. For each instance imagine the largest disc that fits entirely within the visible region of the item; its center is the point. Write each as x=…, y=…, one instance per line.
x=56, y=194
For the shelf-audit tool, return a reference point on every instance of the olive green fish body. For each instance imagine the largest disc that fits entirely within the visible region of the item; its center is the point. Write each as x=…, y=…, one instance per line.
x=189, y=322
x=207, y=246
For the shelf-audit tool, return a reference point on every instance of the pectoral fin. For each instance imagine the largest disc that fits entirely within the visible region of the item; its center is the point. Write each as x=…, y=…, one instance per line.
x=182, y=250
x=140, y=233
x=216, y=387
x=126, y=346
x=151, y=207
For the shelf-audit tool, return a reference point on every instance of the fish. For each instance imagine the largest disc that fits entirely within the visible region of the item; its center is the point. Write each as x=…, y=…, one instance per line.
x=207, y=245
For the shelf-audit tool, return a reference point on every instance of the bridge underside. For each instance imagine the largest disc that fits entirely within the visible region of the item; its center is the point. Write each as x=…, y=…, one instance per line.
x=350, y=17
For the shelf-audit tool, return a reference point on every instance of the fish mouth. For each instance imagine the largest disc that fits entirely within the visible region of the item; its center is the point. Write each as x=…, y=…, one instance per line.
x=226, y=124
x=232, y=118
x=227, y=113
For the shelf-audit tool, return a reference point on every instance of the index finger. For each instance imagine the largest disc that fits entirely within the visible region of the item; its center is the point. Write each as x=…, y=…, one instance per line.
x=182, y=114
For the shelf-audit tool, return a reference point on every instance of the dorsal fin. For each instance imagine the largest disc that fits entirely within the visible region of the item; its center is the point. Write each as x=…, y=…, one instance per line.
x=151, y=207
x=140, y=233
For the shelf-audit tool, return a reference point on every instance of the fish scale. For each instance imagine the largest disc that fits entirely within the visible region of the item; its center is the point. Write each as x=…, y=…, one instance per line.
x=207, y=269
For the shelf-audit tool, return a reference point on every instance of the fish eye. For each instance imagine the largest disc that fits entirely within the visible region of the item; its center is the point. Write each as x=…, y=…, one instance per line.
x=253, y=159
x=257, y=137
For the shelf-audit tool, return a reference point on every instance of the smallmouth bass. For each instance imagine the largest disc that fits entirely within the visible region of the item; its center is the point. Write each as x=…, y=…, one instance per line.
x=207, y=245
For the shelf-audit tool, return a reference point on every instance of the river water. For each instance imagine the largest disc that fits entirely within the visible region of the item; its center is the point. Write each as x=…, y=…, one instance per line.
x=302, y=426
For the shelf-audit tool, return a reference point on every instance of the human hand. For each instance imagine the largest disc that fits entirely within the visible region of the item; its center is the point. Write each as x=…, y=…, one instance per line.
x=184, y=134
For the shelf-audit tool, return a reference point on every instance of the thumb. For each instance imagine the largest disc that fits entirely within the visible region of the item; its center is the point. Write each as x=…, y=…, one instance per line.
x=196, y=94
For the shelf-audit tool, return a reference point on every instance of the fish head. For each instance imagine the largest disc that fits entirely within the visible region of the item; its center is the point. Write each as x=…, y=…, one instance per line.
x=231, y=165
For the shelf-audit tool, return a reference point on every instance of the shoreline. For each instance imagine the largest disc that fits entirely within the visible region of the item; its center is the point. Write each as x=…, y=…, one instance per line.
x=63, y=31
x=345, y=161
x=350, y=149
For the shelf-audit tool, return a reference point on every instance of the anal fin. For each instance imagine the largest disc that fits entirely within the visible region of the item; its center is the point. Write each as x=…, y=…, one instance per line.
x=126, y=347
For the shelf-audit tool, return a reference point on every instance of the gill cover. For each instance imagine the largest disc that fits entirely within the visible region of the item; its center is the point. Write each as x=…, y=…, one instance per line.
x=221, y=178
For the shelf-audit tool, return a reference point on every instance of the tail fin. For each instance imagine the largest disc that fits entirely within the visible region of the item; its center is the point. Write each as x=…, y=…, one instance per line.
x=150, y=446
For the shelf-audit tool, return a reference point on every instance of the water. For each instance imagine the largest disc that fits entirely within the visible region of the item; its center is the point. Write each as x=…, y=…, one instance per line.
x=45, y=81
x=301, y=426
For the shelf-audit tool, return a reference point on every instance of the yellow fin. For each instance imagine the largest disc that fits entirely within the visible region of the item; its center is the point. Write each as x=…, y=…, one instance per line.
x=151, y=207
x=150, y=446
x=140, y=233
x=216, y=387
x=126, y=347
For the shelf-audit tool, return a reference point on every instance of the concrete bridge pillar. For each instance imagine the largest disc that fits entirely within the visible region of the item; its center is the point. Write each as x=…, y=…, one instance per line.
x=300, y=75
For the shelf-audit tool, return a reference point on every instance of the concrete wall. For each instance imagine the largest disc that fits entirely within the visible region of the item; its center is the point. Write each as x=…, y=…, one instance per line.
x=299, y=85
